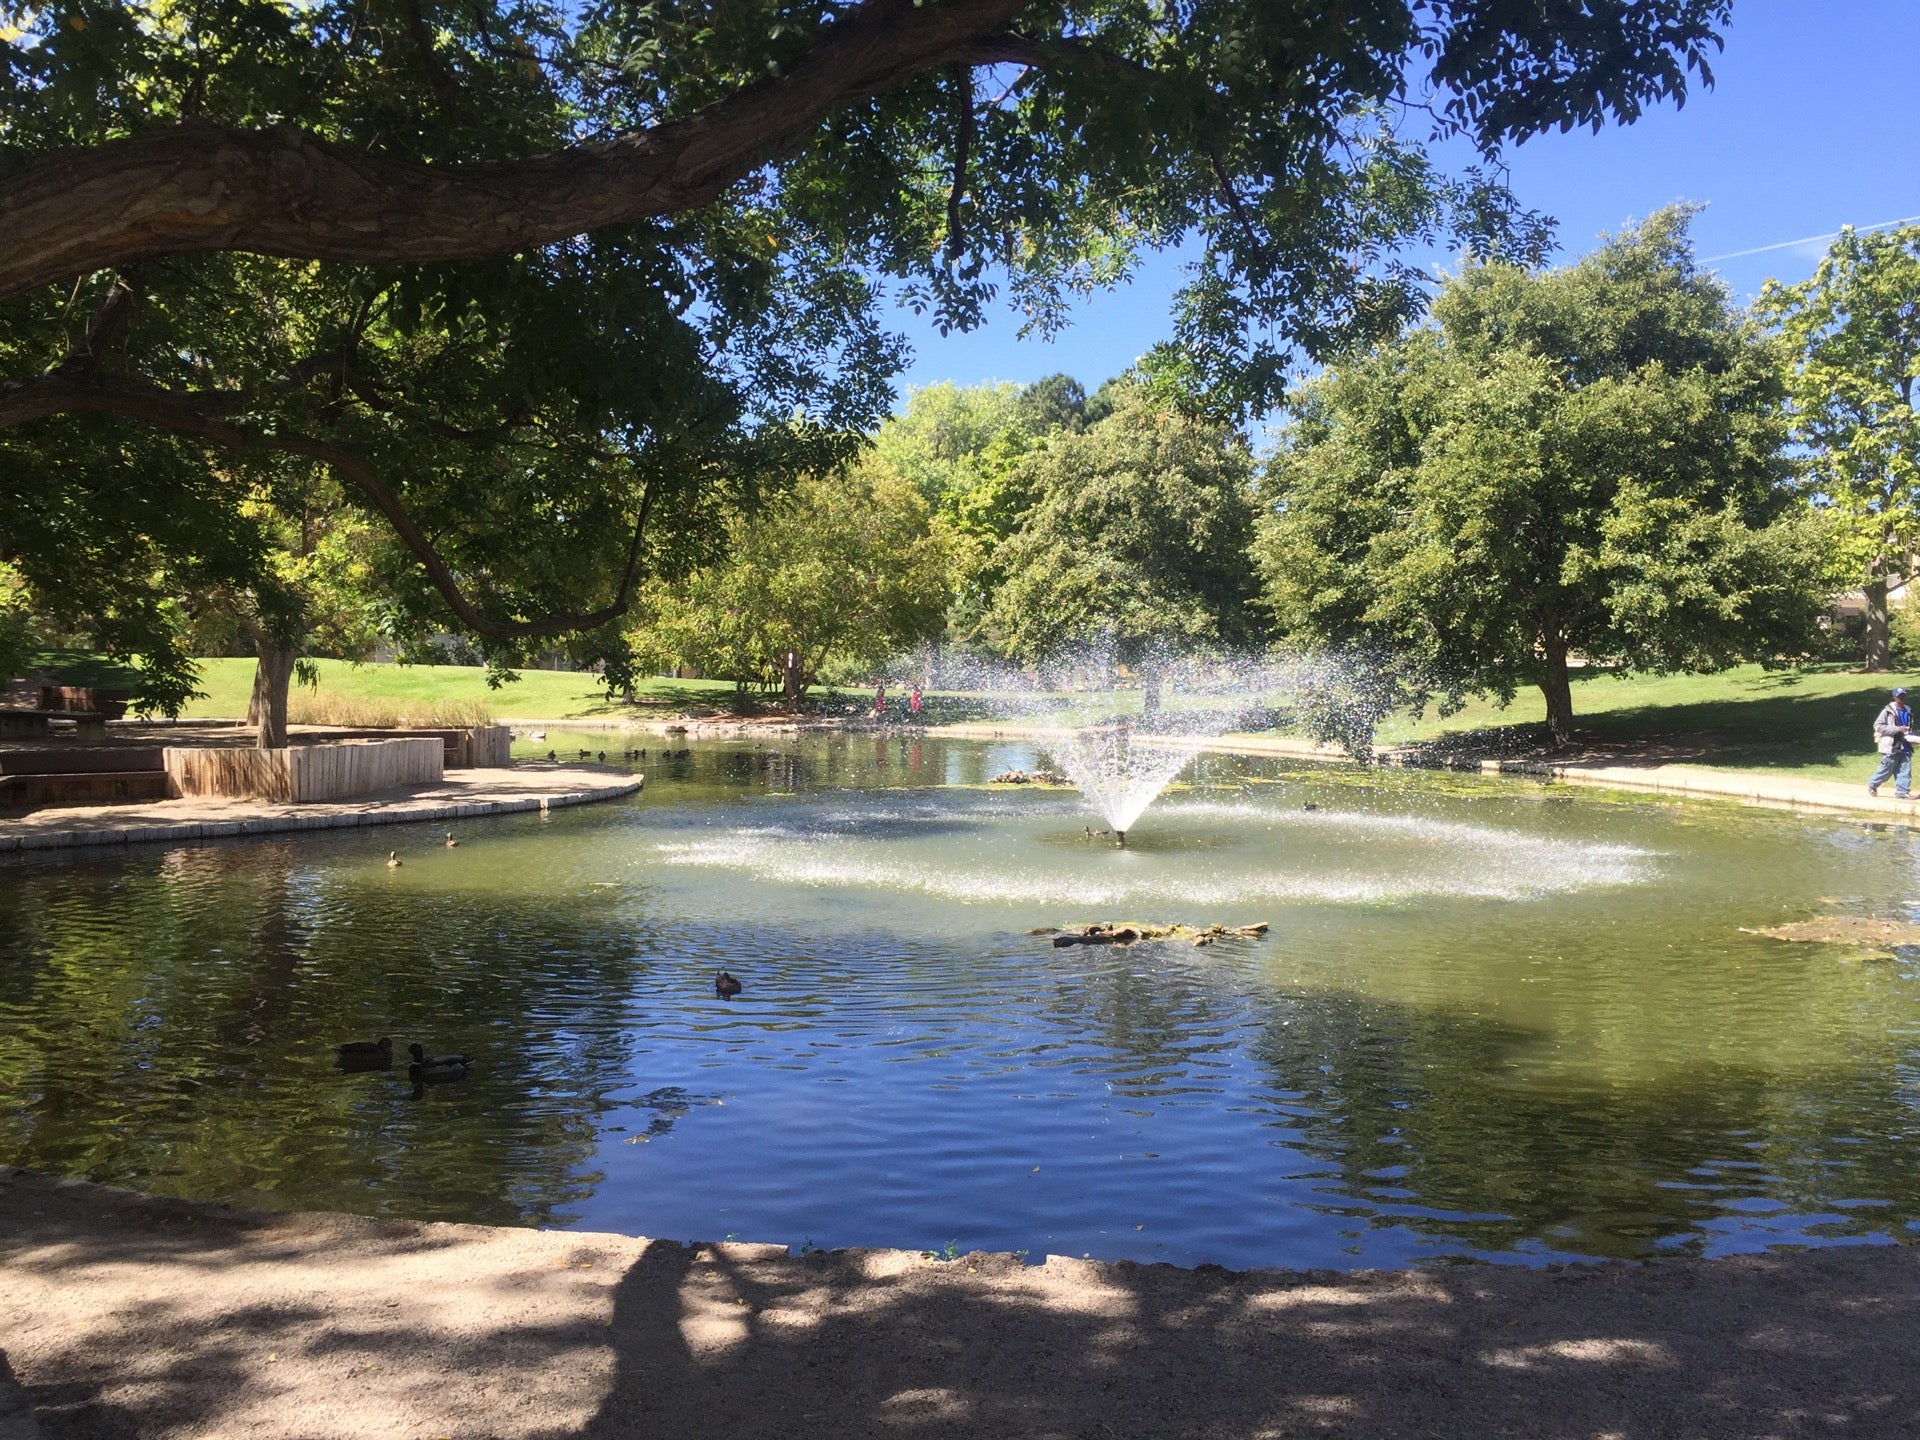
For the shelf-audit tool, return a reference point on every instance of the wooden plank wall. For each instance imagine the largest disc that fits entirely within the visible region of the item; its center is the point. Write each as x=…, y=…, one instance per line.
x=339, y=772
x=490, y=746
x=229, y=772
x=305, y=772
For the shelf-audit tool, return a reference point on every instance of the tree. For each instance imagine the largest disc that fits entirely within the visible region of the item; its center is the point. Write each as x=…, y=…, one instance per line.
x=1138, y=533
x=529, y=279
x=1580, y=461
x=962, y=446
x=835, y=576
x=1854, y=329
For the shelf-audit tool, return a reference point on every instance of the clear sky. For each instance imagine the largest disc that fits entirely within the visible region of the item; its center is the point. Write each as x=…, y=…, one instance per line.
x=1813, y=123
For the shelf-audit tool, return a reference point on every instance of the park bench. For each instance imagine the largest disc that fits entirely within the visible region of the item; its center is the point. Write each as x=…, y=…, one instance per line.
x=20, y=722
x=86, y=699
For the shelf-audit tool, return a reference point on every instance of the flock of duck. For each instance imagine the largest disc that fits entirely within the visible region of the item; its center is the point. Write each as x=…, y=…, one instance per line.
x=424, y=1069
x=601, y=755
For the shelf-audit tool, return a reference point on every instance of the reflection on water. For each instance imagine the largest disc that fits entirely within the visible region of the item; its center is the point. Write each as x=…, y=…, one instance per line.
x=1490, y=1019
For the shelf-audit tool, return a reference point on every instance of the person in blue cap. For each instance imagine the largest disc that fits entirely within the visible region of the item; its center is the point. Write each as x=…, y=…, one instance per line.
x=1896, y=746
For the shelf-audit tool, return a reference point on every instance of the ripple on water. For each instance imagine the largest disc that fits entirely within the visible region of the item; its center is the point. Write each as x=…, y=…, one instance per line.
x=1398, y=858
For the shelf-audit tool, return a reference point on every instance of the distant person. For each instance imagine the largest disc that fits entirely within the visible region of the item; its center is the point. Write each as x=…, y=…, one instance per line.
x=880, y=701
x=913, y=703
x=1890, y=733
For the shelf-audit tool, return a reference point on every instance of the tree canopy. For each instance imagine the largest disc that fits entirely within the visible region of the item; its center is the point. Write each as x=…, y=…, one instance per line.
x=1137, y=535
x=544, y=287
x=1585, y=461
x=831, y=578
x=1854, y=333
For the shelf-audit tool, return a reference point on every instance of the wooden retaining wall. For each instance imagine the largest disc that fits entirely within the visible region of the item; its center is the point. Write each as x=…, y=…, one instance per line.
x=304, y=773
x=488, y=747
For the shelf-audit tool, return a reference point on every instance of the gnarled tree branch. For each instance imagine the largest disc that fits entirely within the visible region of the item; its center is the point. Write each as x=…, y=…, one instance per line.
x=280, y=192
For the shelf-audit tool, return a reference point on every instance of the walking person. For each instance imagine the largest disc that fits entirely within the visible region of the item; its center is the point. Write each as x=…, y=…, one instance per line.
x=1890, y=733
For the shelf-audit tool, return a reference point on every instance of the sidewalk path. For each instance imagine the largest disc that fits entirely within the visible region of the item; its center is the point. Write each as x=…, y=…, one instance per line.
x=462, y=794
x=131, y=1317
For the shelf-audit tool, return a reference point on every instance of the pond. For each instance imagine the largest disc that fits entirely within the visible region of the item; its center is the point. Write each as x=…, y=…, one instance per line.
x=1491, y=1019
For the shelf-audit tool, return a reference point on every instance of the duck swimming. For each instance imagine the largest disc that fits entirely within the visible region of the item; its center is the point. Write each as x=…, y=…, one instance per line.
x=393, y=860
x=449, y=842
x=726, y=986
x=367, y=1049
x=434, y=1068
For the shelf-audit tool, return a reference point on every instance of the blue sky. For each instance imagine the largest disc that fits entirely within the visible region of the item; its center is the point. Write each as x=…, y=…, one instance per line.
x=1810, y=126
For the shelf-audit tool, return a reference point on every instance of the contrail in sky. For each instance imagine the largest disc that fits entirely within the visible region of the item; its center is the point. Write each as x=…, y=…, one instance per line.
x=1809, y=240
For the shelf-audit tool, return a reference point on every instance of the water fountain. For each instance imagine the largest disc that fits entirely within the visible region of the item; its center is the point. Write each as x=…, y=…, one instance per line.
x=1122, y=760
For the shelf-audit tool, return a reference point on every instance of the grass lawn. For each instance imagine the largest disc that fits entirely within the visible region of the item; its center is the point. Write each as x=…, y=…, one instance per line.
x=414, y=691
x=1813, y=722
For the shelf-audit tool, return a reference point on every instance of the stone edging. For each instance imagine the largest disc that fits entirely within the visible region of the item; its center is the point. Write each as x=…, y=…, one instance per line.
x=274, y=824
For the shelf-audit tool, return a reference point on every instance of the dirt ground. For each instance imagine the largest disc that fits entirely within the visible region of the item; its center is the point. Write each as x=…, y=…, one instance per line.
x=128, y=1316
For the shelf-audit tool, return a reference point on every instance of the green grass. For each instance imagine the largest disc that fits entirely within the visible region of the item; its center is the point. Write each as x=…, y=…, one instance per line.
x=82, y=667
x=541, y=694
x=1813, y=722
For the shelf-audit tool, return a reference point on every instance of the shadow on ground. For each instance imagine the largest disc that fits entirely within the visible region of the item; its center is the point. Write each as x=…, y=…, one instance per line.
x=131, y=1317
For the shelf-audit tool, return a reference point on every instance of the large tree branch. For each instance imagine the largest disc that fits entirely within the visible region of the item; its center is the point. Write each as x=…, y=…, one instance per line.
x=204, y=414
x=280, y=192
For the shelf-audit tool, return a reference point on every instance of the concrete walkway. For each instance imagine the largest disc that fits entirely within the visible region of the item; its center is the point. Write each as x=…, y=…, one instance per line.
x=463, y=794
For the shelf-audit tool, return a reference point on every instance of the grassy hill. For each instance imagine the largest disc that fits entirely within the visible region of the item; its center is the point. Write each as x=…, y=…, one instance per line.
x=377, y=694
x=1813, y=721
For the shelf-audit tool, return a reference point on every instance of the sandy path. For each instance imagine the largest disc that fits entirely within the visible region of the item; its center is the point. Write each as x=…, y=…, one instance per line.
x=128, y=1316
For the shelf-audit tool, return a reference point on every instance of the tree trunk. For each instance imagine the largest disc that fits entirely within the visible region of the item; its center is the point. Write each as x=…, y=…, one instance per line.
x=793, y=682
x=272, y=675
x=1558, y=689
x=1152, y=677
x=1879, y=642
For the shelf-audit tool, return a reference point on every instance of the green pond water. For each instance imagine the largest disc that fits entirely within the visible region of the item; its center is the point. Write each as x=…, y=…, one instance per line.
x=1491, y=1019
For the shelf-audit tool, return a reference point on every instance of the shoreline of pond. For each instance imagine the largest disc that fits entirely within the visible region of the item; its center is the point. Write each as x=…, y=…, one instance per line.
x=461, y=795
x=1607, y=771
x=176, y=1317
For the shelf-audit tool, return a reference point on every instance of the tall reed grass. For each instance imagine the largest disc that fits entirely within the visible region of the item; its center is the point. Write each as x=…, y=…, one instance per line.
x=318, y=707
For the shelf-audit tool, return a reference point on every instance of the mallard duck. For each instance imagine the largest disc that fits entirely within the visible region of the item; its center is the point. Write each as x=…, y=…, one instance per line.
x=393, y=860
x=437, y=1067
x=585, y=753
x=603, y=757
x=553, y=754
x=449, y=842
x=367, y=1049
x=726, y=986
